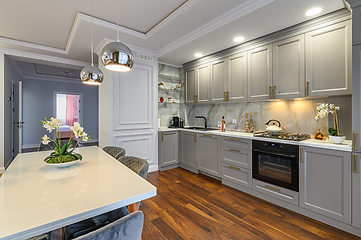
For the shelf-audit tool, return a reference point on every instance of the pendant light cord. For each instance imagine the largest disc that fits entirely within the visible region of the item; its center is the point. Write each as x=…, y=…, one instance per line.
x=118, y=21
x=92, y=40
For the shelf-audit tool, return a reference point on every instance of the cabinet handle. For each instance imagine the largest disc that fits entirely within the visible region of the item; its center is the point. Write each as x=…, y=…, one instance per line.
x=162, y=136
x=237, y=139
x=235, y=168
x=195, y=140
x=274, y=91
x=300, y=154
x=224, y=96
x=355, y=141
x=273, y=188
x=206, y=135
x=307, y=88
x=227, y=96
x=234, y=150
x=269, y=92
x=355, y=156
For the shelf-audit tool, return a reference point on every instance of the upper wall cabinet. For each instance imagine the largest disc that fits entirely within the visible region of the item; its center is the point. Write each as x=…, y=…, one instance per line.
x=218, y=79
x=237, y=83
x=328, y=60
x=356, y=31
x=198, y=84
x=288, y=68
x=260, y=73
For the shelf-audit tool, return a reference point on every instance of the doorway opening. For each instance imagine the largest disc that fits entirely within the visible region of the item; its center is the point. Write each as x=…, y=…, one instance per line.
x=68, y=109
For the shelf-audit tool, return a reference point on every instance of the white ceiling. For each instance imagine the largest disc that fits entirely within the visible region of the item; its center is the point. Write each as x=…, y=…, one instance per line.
x=175, y=29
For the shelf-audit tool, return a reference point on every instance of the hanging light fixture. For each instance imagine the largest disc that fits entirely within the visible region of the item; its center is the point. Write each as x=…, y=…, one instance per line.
x=117, y=56
x=91, y=74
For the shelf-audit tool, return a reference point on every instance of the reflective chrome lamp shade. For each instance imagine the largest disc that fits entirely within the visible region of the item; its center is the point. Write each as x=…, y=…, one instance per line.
x=91, y=75
x=116, y=56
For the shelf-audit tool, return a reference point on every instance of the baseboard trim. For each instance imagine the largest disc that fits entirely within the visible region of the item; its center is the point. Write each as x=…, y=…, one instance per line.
x=153, y=168
x=2, y=170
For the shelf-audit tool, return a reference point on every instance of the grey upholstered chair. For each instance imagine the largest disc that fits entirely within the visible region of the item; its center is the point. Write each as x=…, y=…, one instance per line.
x=115, y=152
x=45, y=236
x=51, y=145
x=138, y=165
x=128, y=227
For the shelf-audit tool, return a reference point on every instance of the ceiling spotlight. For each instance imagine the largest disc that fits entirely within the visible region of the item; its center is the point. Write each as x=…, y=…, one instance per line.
x=117, y=56
x=313, y=11
x=198, y=55
x=238, y=39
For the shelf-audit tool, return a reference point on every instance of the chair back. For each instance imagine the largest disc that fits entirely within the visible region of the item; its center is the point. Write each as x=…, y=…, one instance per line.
x=129, y=227
x=51, y=145
x=115, y=152
x=138, y=165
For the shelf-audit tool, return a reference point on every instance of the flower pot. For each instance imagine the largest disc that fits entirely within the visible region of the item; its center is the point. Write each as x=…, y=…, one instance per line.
x=337, y=139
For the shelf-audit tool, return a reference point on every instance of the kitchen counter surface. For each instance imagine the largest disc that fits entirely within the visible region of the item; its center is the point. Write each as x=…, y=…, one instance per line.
x=326, y=144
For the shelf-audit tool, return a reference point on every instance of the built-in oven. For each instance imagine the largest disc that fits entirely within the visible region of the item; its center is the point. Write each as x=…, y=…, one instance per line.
x=275, y=163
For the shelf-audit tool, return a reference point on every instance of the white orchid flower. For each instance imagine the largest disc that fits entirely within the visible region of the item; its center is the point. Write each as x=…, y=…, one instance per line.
x=56, y=121
x=45, y=139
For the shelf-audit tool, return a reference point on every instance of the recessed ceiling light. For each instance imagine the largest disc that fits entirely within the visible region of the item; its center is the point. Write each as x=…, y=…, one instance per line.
x=238, y=39
x=313, y=11
x=198, y=55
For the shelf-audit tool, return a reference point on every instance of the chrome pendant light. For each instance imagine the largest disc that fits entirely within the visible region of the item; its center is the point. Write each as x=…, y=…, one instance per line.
x=91, y=74
x=117, y=56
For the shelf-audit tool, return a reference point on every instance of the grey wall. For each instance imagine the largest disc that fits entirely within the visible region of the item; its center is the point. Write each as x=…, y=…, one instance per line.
x=10, y=75
x=344, y=115
x=38, y=102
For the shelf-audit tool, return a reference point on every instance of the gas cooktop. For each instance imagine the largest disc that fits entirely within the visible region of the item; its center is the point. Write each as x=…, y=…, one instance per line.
x=282, y=135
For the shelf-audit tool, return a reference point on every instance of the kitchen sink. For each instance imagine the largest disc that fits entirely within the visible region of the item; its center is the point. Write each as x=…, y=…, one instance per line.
x=201, y=128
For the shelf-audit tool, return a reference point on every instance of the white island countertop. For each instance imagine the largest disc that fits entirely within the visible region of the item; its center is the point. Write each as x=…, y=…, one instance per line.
x=325, y=144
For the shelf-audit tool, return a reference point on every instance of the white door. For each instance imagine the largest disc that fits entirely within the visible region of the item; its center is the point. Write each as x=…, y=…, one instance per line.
x=17, y=118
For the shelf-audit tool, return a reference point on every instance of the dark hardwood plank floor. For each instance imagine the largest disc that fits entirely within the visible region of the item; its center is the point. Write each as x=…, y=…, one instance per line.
x=194, y=206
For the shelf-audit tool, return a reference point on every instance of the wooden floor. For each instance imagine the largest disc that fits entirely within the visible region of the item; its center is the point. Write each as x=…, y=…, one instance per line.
x=194, y=206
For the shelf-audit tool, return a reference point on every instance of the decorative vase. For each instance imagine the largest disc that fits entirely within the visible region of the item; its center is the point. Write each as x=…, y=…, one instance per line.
x=337, y=139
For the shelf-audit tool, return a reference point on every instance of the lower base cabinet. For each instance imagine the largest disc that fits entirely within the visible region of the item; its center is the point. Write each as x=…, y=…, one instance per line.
x=188, y=152
x=356, y=190
x=208, y=154
x=168, y=149
x=237, y=175
x=325, y=182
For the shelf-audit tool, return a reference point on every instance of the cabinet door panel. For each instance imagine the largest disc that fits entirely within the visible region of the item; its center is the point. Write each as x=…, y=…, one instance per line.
x=237, y=77
x=288, y=68
x=203, y=83
x=260, y=72
x=356, y=190
x=218, y=80
x=325, y=183
x=208, y=154
x=189, y=149
x=328, y=60
x=190, y=85
x=168, y=148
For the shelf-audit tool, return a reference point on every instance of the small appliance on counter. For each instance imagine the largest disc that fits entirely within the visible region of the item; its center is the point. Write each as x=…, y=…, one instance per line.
x=176, y=122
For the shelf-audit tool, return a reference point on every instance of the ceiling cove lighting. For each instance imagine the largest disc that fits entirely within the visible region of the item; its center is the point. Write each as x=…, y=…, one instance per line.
x=91, y=74
x=238, y=39
x=198, y=55
x=313, y=11
x=117, y=56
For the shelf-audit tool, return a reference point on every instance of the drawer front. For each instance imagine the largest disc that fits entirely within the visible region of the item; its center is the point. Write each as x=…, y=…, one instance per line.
x=239, y=143
x=237, y=175
x=237, y=156
x=276, y=191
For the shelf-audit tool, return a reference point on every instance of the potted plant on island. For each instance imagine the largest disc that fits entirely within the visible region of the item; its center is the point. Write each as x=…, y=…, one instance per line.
x=63, y=156
x=334, y=133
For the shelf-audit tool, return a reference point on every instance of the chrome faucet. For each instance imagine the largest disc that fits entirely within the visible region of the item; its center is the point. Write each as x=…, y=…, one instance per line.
x=205, y=121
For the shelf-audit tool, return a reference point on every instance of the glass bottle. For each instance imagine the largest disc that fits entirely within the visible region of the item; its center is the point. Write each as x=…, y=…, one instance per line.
x=223, y=125
x=318, y=134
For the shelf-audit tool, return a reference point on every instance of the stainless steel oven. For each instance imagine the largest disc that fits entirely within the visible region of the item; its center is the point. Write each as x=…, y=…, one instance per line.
x=275, y=163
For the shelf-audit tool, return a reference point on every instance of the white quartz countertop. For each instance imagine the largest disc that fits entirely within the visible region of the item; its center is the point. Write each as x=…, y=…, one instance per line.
x=325, y=144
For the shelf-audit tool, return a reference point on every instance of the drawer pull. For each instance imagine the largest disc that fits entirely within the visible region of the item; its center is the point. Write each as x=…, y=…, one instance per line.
x=273, y=188
x=274, y=91
x=235, y=168
x=307, y=88
x=269, y=93
x=236, y=139
x=234, y=150
x=355, y=163
x=227, y=96
x=206, y=135
x=300, y=154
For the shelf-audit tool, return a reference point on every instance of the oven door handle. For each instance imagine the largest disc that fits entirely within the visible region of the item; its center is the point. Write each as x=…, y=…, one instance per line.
x=277, y=154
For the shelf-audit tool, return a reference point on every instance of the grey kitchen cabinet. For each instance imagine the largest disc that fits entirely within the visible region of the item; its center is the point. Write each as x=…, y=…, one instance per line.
x=356, y=98
x=218, y=79
x=208, y=154
x=188, y=153
x=237, y=81
x=325, y=182
x=288, y=68
x=356, y=31
x=168, y=149
x=356, y=190
x=260, y=73
x=328, y=60
x=198, y=84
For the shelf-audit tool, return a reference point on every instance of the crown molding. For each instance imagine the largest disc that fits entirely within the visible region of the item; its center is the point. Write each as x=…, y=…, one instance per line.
x=134, y=48
x=16, y=67
x=42, y=57
x=354, y=3
x=52, y=79
x=231, y=15
x=170, y=65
